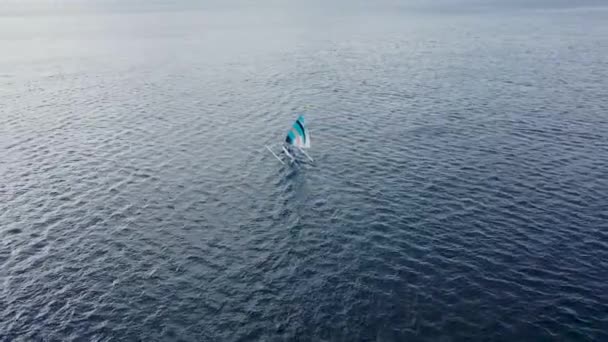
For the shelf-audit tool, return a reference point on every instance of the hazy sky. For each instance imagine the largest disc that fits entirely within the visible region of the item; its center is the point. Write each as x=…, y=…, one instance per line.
x=9, y=7
x=416, y=3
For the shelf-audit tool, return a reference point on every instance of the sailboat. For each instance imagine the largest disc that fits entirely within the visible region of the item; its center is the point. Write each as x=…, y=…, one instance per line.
x=297, y=139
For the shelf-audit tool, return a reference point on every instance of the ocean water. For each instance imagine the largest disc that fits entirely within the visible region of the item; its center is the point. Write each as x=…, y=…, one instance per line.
x=459, y=189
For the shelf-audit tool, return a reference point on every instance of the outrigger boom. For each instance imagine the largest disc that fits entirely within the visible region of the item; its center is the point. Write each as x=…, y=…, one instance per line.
x=274, y=154
x=288, y=154
x=306, y=154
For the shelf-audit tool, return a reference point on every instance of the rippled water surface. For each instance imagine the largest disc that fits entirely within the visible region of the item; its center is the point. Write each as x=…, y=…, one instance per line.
x=459, y=190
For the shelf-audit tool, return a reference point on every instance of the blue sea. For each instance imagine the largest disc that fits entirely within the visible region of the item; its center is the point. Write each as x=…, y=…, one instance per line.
x=459, y=190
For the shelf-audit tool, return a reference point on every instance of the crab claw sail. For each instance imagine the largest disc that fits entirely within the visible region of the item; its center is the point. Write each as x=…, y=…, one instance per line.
x=298, y=134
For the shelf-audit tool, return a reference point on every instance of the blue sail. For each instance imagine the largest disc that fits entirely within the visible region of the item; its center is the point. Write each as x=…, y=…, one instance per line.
x=298, y=134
